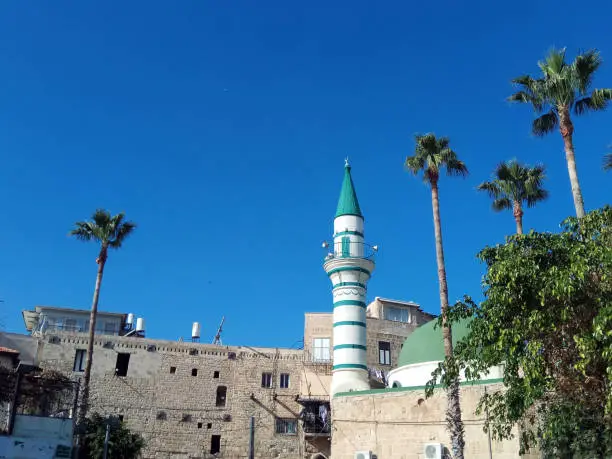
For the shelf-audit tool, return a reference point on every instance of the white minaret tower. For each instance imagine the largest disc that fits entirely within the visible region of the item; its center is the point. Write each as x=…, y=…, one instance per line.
x=349, y=265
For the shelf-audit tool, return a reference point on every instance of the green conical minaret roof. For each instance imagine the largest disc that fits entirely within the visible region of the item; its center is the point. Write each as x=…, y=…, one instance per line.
x=348, y=203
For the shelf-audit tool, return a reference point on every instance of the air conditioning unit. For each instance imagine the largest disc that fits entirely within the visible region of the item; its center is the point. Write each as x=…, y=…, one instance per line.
x=363, y=455
x=433, y=450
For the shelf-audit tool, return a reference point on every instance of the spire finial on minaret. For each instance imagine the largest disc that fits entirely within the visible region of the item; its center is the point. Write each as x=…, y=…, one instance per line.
x=346, y=162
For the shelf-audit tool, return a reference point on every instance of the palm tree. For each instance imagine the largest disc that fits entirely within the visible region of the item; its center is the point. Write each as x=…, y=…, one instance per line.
x=607, y=162
x=513, y=185
x=431, y=155
x=109, y=231
x=563, y=88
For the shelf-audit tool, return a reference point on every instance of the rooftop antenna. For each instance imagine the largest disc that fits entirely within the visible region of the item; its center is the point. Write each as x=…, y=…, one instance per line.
x=217, y=339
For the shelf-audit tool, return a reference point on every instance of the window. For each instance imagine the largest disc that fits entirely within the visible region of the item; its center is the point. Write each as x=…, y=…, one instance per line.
x=209, y=425
x=172, y=370
x=266, y=380
x=286, y=426
x=216, y=375
x=194, y=372
x=120, y=418
x=284, y=380
x=221, y=395
x=215, y=444
x=70, y=325
x=397, y=314
x=320, y=350
x=346, y=246
x=80, y=357
x=199, y=425
x=109, y=328
x=121, y=367
x=384, y=353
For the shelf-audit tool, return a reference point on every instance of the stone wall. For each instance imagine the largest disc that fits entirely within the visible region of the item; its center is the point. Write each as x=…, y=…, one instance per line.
x=397, y=423
x=169, y=394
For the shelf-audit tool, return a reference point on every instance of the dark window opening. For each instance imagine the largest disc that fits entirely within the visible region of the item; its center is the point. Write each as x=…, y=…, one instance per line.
x=199, y=425
x=121, y=367
x=172, y=370
x=221, y=395
x=186, y=418
x=216, y=375
x=266, y=380
x=284, y=380
x=209, y=425
x=120, y=418
x=286, y=426
x=194, y=372
x=161, y=416
x=384, y=353
x=215, y=444
x=80, y=357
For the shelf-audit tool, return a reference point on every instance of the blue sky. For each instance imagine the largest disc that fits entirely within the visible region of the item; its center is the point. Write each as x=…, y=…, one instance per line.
x=221, y=128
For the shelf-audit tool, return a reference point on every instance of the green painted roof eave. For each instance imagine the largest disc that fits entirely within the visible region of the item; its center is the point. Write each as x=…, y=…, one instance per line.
x=348, y=203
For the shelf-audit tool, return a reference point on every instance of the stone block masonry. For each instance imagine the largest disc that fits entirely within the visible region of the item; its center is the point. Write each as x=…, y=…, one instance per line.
x=191, y=400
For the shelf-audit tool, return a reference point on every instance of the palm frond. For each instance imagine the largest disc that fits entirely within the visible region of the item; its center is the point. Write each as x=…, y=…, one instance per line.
x=431, y=154
x=583, y=69
x=531, y=92
x=607, y=162
x=600, y=98
x=415, y=164
x=456, y=168
x=535, y=196
x=545, y=123
x=491, y=188
x=83, y=231
x=121, y=234
x=554, y=64
x=500, y=204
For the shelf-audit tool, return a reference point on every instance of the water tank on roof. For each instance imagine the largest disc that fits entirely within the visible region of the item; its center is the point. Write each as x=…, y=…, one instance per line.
x=195, y=330
x=140, y=324
x=130, y=319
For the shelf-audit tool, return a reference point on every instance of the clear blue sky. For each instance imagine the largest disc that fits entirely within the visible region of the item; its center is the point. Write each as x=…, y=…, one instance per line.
x=220, y=127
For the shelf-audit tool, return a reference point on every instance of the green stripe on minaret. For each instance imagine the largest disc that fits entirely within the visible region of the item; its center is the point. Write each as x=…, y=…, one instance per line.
x=350, y=346
x=343, y=366
x=361, y=304
x=349, y=322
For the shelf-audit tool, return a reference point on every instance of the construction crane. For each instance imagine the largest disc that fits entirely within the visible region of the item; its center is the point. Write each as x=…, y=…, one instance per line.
x=217, y=339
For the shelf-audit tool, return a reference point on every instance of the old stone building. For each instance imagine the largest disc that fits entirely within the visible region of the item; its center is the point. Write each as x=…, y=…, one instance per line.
x=191, y=400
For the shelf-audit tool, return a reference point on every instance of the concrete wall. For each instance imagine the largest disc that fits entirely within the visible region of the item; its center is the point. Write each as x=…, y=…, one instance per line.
x=396, y=424
x=175, y=411
x=37, y=437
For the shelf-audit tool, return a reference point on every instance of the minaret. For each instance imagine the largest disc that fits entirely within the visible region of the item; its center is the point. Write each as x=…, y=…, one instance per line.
x=349, y=266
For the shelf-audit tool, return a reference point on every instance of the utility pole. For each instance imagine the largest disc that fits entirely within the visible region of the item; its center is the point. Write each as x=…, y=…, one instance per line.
x=106, y=437
x=252, y=439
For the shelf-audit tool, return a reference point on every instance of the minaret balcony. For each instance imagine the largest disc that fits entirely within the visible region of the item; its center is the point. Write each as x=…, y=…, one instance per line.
x=347, y=249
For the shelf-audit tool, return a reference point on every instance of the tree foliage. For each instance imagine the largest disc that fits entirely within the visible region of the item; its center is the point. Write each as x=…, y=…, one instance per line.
x=122, y=444
x=547, y=320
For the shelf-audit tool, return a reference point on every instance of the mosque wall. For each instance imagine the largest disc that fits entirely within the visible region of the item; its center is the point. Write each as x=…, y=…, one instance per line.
x=397, y=423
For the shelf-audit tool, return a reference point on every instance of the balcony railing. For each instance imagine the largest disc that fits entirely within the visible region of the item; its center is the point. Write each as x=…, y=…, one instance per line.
x=53, y=328
x=349, y=249
x=316, y=418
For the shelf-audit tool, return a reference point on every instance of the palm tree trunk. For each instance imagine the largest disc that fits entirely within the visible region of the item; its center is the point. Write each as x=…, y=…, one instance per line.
x=101, y=260
x=453, y=412
x=518, y=216
x=567, y=131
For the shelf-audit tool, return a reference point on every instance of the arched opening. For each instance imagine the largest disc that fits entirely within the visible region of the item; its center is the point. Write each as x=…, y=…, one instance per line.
x=396, y=384
x=221, y=395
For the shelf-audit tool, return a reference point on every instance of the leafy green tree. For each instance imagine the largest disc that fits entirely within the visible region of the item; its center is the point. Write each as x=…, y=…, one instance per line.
x=110, y=231
x=547, y=318
x=563, y=88
x=431, y=156
x=122, y=444
x=515, y=184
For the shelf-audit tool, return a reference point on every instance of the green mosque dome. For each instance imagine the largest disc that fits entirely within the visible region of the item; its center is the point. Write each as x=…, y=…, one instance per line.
x=425, y=343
